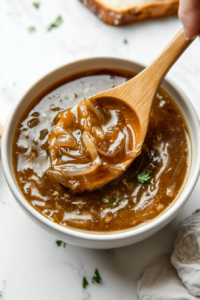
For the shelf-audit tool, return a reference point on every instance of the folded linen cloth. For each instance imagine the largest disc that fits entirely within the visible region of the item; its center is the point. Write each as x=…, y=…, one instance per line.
x=186, y=255
x=160, y=281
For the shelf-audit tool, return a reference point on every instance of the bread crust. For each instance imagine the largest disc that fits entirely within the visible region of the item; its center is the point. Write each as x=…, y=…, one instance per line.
x=131, y=15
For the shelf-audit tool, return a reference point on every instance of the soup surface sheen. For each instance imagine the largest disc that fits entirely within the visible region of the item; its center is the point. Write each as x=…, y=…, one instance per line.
x=123, y=203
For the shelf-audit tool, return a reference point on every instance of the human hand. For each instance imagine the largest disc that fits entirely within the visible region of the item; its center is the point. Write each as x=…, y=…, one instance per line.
x=189, y=14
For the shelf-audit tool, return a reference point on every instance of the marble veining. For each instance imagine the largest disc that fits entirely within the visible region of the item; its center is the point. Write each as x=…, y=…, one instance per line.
x=32, y=266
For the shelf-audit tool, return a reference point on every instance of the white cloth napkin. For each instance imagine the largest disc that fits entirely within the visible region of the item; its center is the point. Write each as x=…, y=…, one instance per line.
x=186, y=255
x=160, y=281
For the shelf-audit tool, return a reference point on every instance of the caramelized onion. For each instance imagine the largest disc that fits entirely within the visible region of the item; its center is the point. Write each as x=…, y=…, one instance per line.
x=80, y=160
x=111, y=133
x=55, y=175
x=120, y=167
x=89, y=145
x=98, y=132
x=117, y=169
x=130, y=140
x=83, y=111
x=67, y=171
x=59, y=131
x=75, y=153
x=67, y=140
x=98, y=110
x=114, y=148
x=85, y=124
x=68, y=118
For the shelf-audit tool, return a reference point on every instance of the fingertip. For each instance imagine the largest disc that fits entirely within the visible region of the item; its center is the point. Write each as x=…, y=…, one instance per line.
x=187, y=36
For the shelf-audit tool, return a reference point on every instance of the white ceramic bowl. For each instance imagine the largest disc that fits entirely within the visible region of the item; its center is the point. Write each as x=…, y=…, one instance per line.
x=112, y=240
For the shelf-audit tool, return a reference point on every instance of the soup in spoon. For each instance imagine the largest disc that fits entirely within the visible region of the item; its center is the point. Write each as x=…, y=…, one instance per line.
x=89, y=146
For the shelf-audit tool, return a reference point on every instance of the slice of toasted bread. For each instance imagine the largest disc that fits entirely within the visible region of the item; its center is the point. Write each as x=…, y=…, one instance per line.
x=120, y=12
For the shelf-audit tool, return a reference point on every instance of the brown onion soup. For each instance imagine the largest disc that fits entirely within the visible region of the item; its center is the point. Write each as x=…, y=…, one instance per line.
x=44, y=147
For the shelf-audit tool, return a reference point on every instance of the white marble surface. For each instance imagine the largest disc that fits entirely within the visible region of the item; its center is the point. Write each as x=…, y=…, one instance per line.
x=31, y=265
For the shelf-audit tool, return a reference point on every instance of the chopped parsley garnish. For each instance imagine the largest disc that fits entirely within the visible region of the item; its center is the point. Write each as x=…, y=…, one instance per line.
x=112, y=202
x=59, y=243
x=85, y=283
x=1, y=294
x=117, y=198
x=144, y=177
x=97, y=277
x=57, y=23
x=106, y=199
x=36, y=4
x=31, y=29
x=125, y=41
x=66, y=97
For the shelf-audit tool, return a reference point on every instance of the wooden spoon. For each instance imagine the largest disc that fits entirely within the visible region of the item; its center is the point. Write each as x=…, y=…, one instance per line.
x=135, y=97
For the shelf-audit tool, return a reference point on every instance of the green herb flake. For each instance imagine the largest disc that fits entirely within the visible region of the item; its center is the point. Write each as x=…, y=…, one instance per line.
x=36, y=4
x=85, y=283
x=66, y=97
x=112, y=202
x=144, y=177
x=97, y=277
x=0, y=294
x=125, y=41
x=57, y=23
x=60, y=243
x=117, y=198
x=31, y=29
x=106, y=199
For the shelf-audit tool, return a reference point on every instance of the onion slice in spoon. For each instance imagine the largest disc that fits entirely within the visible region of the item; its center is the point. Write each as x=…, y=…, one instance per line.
x=98, y=110
x=89, y=146
x=130, y=140
x=115, y=148
x=65, y=140
x=70, y=172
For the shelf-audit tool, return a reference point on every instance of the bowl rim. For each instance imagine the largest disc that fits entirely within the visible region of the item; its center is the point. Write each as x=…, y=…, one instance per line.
x=161, y=220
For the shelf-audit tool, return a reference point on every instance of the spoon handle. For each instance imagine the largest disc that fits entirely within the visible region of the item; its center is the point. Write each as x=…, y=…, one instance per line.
x=161, y=65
